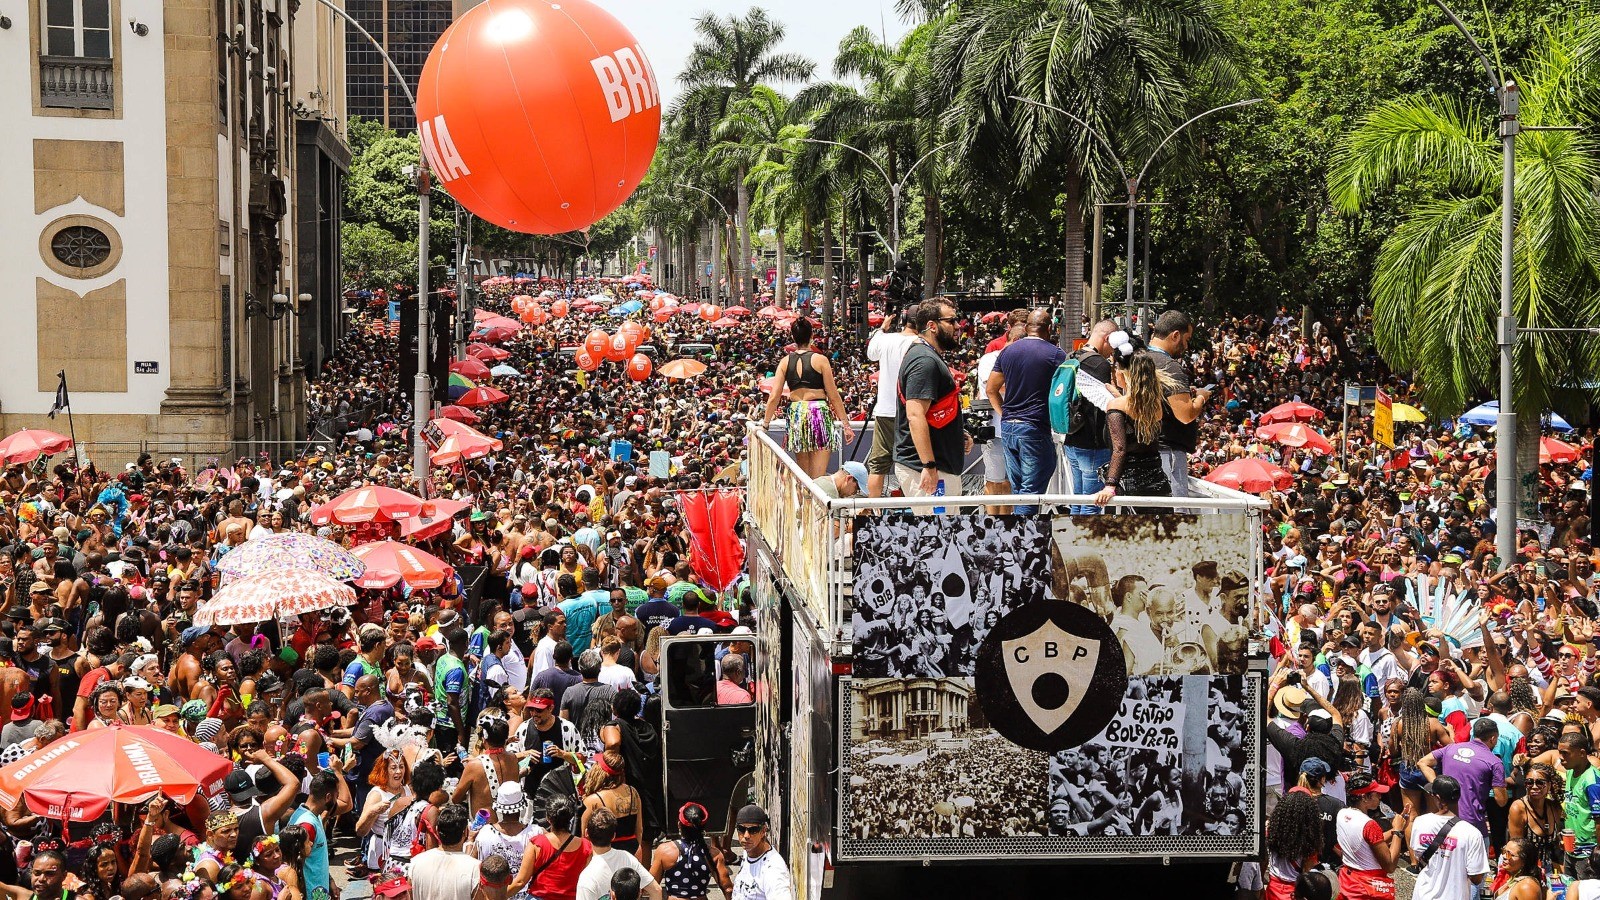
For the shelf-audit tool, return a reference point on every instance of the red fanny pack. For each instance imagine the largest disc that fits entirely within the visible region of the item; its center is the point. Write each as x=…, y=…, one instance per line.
x=943, y=411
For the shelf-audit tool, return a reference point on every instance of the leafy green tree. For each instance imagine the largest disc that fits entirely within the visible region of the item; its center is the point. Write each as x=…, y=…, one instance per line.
x=374, y=258
x=1130, y=70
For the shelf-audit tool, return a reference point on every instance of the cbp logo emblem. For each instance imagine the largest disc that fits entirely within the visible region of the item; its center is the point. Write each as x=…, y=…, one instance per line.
x=1051, y=675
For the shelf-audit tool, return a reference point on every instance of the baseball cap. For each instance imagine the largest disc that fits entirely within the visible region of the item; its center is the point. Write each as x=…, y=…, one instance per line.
x=427, y=642
x=164, y=710
x=1314, y=767
x=240, y=786
x=21, y=706
x=859, y=473
x=751, y=815
x=1346, y=659
x=1445, y=788
x=542, y=702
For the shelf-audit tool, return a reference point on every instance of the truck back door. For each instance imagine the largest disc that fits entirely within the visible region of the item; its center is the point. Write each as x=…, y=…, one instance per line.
x=708, y=747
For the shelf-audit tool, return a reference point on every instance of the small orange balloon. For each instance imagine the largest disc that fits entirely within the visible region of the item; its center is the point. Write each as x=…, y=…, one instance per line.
x=710, y=311
x=531, y=313
x=639, y=367
x=585, y=360
x=597, y=343
x=559, y=309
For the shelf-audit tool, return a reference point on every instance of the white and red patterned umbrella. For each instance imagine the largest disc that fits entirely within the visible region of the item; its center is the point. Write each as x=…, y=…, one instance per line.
x=287, y=592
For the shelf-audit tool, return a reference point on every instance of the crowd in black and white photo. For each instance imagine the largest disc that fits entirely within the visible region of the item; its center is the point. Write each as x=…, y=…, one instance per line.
x=974, y=787
x=929, y=589
x=1106, y=787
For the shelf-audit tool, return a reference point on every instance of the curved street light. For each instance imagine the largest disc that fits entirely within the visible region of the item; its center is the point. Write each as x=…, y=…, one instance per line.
x=896, y=189
x=1133, y=184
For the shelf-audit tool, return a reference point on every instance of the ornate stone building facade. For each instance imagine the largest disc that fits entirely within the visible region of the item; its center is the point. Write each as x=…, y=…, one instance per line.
x=154, y=255
x=902, y=708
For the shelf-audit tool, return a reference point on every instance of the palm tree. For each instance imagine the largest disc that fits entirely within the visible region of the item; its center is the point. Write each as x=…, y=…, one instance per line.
x=1129, y=69
x=1436, y=283
x=731, y=56
x=750, y=136
x=896, y=114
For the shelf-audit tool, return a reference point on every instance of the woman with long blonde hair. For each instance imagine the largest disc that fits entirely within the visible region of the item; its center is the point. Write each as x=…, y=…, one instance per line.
x=1133, y=425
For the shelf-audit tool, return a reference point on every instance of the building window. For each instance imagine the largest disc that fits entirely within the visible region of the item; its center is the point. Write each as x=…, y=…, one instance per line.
x=81, y=246
x=77, y=28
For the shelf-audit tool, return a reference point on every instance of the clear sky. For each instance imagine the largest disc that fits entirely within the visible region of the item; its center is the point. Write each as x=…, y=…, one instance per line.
x=814, y=28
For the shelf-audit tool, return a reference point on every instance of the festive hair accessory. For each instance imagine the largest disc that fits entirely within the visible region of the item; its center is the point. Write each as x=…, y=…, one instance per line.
x=683, y=818
x=261, y=846
x=221, y=820
x=600, y=760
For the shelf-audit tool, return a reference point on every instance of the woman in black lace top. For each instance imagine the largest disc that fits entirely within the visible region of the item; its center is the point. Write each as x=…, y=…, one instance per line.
x=1133, y=424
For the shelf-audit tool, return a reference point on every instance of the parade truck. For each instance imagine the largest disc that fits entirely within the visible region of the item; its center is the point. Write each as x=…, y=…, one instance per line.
x=938, y=681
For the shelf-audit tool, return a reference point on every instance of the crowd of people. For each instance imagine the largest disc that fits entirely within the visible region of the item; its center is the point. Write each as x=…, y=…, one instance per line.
x=499, y=736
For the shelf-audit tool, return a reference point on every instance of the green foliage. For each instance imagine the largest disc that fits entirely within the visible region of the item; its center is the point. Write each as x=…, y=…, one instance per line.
x=1436, y=281
x=374, y=258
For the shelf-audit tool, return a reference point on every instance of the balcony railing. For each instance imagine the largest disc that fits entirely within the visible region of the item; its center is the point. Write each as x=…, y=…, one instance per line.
x=75, y=82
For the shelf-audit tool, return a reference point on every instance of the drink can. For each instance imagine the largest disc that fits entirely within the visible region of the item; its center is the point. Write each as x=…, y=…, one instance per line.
x=938, y=491
x=1569, y=841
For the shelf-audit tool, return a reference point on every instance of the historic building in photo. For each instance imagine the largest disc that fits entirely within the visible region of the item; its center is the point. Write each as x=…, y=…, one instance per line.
x=168, y=244
x=901, y=708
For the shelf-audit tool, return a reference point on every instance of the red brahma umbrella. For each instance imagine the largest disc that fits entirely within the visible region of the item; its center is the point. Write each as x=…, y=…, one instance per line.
x=482, y=396
x=1251, y=475
x=388, y=562
x=1291, y=412
x=470, y=367
x=29, y=444
x=80, y=775
x=373, y=503
x=1294, y=434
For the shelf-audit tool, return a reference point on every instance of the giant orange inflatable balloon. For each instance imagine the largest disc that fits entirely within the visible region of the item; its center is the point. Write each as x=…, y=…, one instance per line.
x=639, y=367
x=585, y=360
x=540, y=116
x=597, y=343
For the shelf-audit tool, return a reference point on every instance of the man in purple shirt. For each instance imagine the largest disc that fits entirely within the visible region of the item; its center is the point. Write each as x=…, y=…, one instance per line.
x=1476, y=767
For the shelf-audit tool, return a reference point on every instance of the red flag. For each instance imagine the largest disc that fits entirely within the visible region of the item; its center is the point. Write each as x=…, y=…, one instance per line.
x=715, y=551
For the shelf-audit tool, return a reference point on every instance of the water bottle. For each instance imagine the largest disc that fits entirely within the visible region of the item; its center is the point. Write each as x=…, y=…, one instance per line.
x=938, y=491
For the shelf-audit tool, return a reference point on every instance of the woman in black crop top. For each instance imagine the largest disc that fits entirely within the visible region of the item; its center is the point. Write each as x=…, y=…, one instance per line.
x=1133, y=424
x=814, y=402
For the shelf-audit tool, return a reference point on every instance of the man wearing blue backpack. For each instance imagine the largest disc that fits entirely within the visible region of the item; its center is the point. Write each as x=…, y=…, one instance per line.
x=1021, y=382
x=1085, y=437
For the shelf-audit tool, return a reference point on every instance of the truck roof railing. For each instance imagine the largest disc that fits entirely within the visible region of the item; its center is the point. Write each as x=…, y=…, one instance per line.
x=796, y=521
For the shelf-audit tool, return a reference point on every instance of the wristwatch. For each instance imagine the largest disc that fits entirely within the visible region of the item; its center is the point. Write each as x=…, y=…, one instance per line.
x=929, y=464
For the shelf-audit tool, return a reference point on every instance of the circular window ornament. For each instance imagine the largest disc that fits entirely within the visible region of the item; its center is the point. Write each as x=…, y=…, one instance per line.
x=80, y=247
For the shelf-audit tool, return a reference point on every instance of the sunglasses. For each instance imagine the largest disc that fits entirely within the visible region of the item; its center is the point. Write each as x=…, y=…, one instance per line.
x=1536, y=782
x=247, y=747
x=748, y=829
x=1568, y=655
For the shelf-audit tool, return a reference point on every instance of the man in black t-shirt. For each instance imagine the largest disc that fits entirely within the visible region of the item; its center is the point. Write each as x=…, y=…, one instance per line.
x=1180, y=419
x=930, y=445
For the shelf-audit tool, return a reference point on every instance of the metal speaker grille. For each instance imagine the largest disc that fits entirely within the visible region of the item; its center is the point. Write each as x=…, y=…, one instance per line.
x=1059, y=847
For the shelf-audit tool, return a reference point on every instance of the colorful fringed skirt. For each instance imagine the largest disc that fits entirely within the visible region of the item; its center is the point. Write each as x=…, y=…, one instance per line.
x=810, y=426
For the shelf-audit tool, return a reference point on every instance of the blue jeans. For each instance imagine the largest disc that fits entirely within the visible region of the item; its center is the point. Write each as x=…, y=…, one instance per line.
x=1085, y=466
x=1030, y=460
x=1176, y=464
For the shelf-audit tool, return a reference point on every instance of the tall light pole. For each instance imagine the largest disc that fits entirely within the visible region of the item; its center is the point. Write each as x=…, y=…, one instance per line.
x=716, y=263
x=1133, y=184
x=896, y=190
x=422, y=393
x=1505, y=439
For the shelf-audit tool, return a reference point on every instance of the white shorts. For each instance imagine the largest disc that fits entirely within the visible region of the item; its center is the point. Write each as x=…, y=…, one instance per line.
x=994, y=461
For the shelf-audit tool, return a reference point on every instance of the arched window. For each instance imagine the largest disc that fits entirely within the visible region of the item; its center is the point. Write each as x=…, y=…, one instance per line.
x=80, y=28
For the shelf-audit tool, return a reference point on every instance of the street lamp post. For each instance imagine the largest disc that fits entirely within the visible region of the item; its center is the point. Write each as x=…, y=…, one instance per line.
x=1505, y=478
x=422, y=395
x=896, y=189
x=1133, y=184
x=716, y=263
